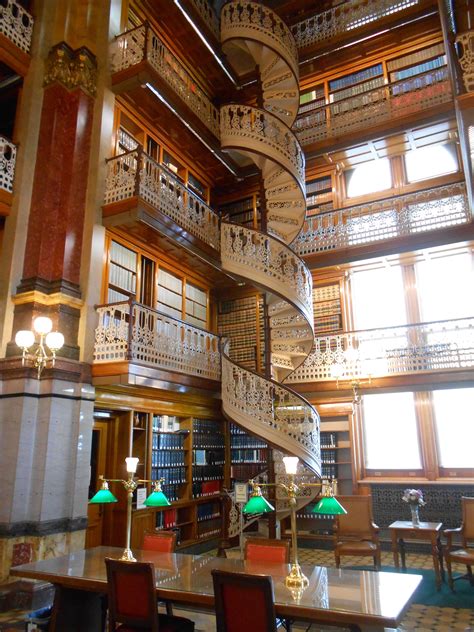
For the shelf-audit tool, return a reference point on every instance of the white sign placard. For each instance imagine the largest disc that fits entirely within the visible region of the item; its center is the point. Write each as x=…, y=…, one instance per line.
x=241, y=492
x=141, y=497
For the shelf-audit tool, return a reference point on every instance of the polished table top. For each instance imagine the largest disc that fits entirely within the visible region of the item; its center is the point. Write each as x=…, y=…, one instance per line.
x=407, y=525
x=333, y=594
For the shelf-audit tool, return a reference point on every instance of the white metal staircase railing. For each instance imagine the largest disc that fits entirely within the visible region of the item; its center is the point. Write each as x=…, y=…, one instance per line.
x=136, y=333
x=134, y=173
x=410, y=214
x=262, y=405
x=446, y=345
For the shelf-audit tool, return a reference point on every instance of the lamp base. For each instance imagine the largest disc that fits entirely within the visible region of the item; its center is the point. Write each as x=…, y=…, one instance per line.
x=296, y=579
x=127, y=556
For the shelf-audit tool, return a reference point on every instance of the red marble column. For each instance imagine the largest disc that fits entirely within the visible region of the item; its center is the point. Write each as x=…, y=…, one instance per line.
x=54, y=241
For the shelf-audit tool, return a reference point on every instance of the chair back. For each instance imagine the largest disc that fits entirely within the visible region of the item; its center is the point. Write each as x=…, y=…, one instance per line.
x=161, y=541
x=131, y=593
x=358, y=521
x=243, y=602
x=467, y=519
x=267, y=550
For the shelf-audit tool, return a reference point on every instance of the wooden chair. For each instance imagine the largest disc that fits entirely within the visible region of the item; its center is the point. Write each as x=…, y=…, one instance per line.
x=243, y=602
x=267, y=550
x=465, y=554
x=132, y=600
x=162, y=542
x=355, y=532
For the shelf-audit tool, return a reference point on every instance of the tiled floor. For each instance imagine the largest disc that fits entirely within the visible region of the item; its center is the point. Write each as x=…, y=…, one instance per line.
x=419, y=618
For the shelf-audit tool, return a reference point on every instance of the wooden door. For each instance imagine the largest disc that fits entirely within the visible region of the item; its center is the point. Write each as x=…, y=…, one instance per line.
x=95, y=513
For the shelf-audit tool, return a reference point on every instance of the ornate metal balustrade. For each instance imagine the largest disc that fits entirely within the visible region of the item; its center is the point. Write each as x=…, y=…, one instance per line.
x=134, y=173
x=434, y=346
x=346, y=16
x=208, y=15
x=266, y=133
x=136, y=333
x=261, y=257
x=7, y=164
x=431, y=209
x=385, y=103
x=143, y=44
x=16, y=24
x=282, y=416
x=267, y=28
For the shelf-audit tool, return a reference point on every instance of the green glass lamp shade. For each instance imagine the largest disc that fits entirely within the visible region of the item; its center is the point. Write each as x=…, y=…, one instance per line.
x=104, y=495
x=257, y=504
x=330, y=506
x=157, y=499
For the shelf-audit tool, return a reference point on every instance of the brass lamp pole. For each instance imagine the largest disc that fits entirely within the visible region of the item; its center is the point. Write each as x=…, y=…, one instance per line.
x=156, y=499
x=258, y=504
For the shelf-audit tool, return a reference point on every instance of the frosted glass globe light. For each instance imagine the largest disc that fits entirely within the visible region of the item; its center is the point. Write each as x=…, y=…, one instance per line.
x=42, y=325
x=54, y=340
x=291, y=464
x=132, y=463
x=25, y=338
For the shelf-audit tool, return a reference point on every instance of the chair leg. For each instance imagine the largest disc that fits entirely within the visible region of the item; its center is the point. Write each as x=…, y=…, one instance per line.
x=470, y=575
x=338, y=559
x=450, y=573
x=377, y=561
x=169, y=608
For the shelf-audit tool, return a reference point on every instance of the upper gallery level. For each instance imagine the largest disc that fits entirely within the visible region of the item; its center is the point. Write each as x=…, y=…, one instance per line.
x=16, y=32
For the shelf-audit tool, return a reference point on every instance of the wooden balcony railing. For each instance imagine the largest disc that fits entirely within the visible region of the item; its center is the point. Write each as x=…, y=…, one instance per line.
x=209, y=16
x=143, y=44
x=16, y=24
x=374, y=107
x=431, y=209
x=7, y=164
x=136, y=333
x=134, y=173
x=345, y=16
x=424, y=347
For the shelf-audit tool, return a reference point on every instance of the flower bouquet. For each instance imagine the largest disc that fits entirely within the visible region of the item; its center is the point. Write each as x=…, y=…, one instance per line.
x=414, y=497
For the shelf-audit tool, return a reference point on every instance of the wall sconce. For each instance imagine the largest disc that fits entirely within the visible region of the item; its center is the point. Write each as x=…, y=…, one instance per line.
x=259, y=504
x=105, y=496
x=48, y=340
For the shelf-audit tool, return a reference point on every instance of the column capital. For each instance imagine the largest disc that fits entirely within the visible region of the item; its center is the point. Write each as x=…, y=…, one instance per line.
x=71, y=68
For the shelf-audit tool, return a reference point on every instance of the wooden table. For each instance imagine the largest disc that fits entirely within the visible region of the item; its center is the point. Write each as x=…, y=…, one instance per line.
x=360, y=600
x=404, y=530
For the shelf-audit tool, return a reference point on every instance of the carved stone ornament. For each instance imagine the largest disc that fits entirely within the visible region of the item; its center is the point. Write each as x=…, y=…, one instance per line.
x=72, y=68
x=465, y=45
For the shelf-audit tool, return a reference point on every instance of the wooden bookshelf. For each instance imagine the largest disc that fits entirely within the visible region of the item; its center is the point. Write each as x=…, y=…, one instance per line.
x=237, y=321
x=248, y=455
x=319, y=195
x=327, y=308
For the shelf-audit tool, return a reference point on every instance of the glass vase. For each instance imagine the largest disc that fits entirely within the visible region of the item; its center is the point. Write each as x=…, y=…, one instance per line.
x=415, y=517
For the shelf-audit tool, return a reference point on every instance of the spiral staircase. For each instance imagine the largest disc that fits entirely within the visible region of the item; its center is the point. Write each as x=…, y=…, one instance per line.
x=253, y=35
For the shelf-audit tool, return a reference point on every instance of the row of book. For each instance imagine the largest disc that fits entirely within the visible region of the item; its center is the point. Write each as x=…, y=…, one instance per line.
x=207, y=472
x=360, y=88
x=326, y=292
x=328, y=440
x=237, y=207
x=416, y=57
x=315, y=93
x=245, y=471
x=120, y=277
x=206, y=426
x=312, y=105
x=321, y=184
x=171, y=475
x=208, y=441
x=328, y=456
x=166, y=519
x=209, y=528
x=426, y=66
x=206, y=488
x=207, y=511
x=165, y=423
x=328, y=471
x=326, y=308
x=209, y=457
x=356, y=77
x=225, y=307
x=249, y=455
x=172, y=491
x=167, y=441
x=246, y=441
x=167, y=458
x=123, y=256
x=238, y=317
